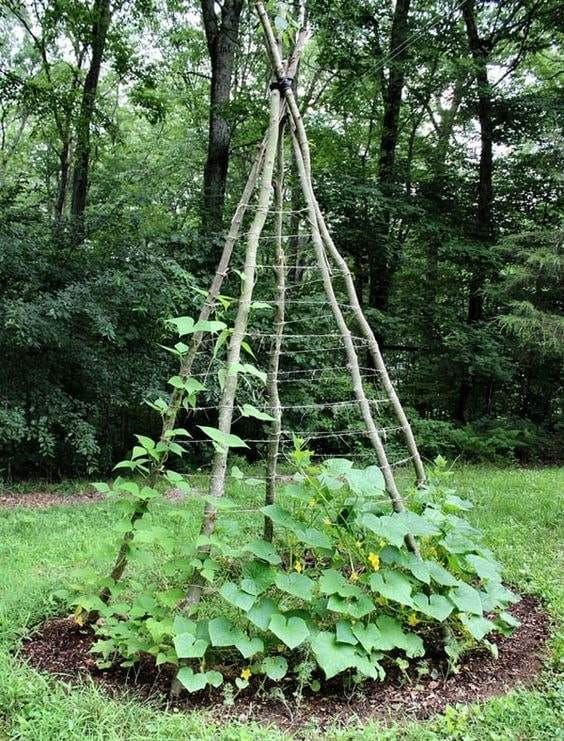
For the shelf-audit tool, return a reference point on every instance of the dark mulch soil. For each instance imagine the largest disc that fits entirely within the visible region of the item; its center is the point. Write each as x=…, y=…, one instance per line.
x=62, y=648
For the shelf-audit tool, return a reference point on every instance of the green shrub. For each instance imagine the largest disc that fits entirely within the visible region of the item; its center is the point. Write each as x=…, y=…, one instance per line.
x=496, y=441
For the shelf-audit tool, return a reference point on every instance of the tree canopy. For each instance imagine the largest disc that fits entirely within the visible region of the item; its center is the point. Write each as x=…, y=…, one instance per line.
x=127, y=129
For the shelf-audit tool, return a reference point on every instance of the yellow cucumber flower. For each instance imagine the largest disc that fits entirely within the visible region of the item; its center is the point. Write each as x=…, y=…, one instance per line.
x=374, y=559
x=246, y=673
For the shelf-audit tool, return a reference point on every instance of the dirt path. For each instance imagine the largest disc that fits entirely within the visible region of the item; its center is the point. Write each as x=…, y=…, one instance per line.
x=43, y=500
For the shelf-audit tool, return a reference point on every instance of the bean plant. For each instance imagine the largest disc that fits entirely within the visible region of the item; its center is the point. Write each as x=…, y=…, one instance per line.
x=337, y=590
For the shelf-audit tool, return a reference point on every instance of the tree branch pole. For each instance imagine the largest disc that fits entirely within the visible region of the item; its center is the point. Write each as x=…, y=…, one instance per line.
x=169, y=419
x=378, y=360
x=219, y=466
x=352, y=357
x=282, y=73
x=274, y=361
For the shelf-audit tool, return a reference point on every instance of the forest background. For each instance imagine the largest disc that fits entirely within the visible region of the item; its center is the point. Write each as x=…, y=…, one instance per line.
x=127, y=129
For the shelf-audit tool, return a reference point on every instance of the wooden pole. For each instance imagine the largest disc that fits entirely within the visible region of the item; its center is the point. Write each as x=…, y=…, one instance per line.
x=352, y=357
x=378, y=360
x=274, y=360
x=219, y=466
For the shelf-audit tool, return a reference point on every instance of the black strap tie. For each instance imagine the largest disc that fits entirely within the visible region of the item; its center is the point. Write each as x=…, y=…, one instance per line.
x=283, y=84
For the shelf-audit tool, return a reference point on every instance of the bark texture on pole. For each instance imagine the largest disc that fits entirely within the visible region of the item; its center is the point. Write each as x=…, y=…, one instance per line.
x=274, y=360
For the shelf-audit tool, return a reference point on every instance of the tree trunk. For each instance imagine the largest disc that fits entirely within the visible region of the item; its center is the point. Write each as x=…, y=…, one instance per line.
x=483, y=229
x=101, y=15
x=222, y=32
x=438, y=199
x=383, y=258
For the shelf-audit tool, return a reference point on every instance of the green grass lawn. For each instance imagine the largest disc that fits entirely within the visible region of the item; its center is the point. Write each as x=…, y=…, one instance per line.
x=519, y=510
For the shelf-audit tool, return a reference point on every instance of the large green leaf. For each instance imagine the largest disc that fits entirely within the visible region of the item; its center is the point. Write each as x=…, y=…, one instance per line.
x=333, y=582
x=183, y=624
x=440, y=575
x=369, y=636
x=396, y=526
x=467, y=599
x=392, y=636
x=337, y=466
x=184, y=325
x=385, y=527
x=247, y=369
x=195, y=682
x=345, y=634
x=334, y=657
x=237, y=596
x=261, y=574
x=263, y=549
x=250, y=646
x=261, y=612
x=209, y=325
x=456, y=542
x=224, y=633
x=436, y=606
x=223, y=439
x=392, y=585
x=489, y=570
x=190, y=385
x=283, y=518
x=367, y=481
x=292, y=631
x=298, y=585
x=315, y=538
x=248, y=410
x=275, y=667
x=496, y=595
x=478, y=627
x=399, y=556
x=187, y=646
x=386, y=635
x=356, y=607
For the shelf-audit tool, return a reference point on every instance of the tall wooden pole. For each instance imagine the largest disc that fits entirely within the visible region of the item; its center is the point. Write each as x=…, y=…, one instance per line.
x=219, y=466
x=274, y=360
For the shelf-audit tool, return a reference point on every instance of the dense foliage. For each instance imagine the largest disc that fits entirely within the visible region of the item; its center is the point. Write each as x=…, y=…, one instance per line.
x=436, y=151
x=338, y=590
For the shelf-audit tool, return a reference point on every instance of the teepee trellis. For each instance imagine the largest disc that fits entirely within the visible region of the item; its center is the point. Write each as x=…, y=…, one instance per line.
x=267, y=173
x=282, y=89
